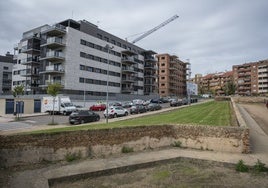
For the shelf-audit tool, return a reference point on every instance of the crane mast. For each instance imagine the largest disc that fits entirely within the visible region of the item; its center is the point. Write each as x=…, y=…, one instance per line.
x=155, y=28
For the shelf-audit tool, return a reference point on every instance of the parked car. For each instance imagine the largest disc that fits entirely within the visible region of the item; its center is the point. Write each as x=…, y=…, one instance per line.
x=115, y=111
x=164, y=100
x=115, y=104
x=184, y=101
x=80, y=107
x=156, y=101
x=154, y=106
x=175, y=102
x=137, y=101
x=135, y=109
x=194, y=100
x=83, y=116
x=97, y=107
x=127, y=104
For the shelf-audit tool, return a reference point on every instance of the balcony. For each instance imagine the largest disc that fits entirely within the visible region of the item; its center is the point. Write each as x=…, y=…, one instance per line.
x=128, y=60
x=127, y=89
x=54, y=42
x=149, y=59
x=53, y=56
x=150, y=66
x=128, y=70
x=128, y=79
x=30, y=49
x=244, y=70
x=262, y=75
x=54, y=30
x=30, y=61
x=172, y=68
x=149, y=83
x=53, y=70
x=47, y=82
x=29, y=73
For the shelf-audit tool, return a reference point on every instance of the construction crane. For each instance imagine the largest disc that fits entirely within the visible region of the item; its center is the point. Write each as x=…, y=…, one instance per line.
x=155, y=29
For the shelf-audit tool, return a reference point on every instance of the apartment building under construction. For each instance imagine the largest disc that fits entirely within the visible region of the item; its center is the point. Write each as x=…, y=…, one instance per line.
x=172, y=74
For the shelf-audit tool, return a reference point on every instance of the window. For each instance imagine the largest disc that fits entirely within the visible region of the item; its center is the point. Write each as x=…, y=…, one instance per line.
x=81, y=80
x=113, y=41
x=98, y=47
x=163, y=71
x=163, y=64
x=162, y=57
x=106, y=39
x=83, y=42
x=99, y=36
x=82, y=67
x=162, y=91
x=90, y=69
x=119, y=44
x=5, y=68
x=97, y=58
x=163, y=84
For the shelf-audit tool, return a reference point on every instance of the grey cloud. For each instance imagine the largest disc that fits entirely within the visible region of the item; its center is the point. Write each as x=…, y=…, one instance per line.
x=213, y=34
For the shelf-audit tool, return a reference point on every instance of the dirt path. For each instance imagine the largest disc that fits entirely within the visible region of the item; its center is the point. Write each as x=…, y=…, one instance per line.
x=259, y=113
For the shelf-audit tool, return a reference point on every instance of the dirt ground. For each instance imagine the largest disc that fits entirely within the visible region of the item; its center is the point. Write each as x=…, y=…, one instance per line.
x=259, y=113
x=181, y=173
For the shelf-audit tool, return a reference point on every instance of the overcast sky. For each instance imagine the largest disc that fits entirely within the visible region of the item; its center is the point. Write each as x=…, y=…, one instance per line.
x=212, y=34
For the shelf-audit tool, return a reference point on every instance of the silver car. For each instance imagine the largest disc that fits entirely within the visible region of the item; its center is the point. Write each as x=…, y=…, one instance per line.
x=115, y=111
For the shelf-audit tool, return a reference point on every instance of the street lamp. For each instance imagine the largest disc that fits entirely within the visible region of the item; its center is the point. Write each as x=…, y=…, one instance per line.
x=84, y=92
x=107, y=84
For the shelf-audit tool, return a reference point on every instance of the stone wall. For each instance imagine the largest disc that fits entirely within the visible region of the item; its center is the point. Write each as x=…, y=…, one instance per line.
x=25, y=149
x=241, y=99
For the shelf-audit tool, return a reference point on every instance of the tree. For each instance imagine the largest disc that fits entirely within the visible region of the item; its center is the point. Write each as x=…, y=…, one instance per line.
x=229, y=88
x=17, y=92
x=53, y=90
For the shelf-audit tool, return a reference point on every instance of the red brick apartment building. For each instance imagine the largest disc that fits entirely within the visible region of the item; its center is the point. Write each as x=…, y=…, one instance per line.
x=171, y=76
x=251, y=78
x=213, y=83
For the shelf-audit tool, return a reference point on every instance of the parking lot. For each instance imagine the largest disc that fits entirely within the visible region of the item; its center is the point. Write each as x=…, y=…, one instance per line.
x=63, y=120
x=37, y=121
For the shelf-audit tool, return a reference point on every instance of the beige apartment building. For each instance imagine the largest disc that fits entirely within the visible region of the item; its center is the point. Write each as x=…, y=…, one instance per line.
x=172, y=74
x=251, y=78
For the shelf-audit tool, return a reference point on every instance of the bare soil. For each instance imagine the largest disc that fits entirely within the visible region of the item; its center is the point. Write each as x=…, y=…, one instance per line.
x=181, y=173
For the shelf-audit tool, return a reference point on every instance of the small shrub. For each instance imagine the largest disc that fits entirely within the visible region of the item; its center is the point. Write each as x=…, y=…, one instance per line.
x=241, y=167
x=259, y=166
x=72, y=156
x=176, y=144
x=126, y=149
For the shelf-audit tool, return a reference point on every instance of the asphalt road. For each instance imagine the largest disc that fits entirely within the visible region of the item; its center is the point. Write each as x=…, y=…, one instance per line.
x=35, y=121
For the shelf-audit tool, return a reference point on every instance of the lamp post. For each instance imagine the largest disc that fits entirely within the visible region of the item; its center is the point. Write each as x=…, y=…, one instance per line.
x=107, y=84
x=84, y=92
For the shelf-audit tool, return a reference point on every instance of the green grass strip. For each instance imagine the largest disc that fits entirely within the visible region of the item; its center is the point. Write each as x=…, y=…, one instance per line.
x=214, y=113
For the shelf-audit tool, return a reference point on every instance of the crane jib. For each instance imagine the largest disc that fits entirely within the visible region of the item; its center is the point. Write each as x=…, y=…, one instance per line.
x=155, y=28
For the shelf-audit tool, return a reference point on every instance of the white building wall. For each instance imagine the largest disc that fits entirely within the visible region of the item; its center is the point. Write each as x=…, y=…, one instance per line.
x=73, y=61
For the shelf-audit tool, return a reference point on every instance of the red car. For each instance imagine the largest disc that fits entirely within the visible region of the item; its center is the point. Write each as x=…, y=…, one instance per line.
x=97, y=107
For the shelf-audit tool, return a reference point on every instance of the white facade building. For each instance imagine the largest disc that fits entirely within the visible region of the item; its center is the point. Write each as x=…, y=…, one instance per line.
x=75, y=54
